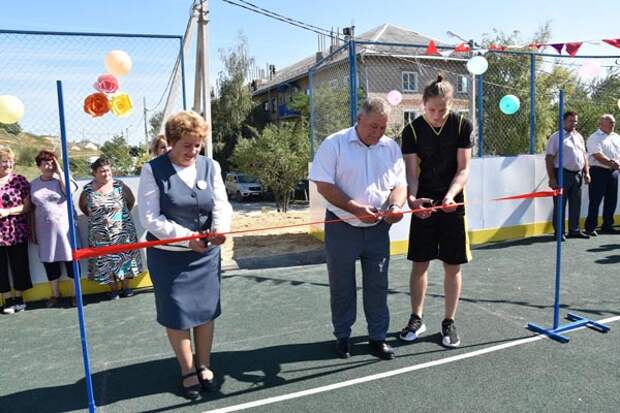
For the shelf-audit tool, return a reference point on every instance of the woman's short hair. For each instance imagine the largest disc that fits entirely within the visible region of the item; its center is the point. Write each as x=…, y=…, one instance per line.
x=44, y=156
x=100, y=163
x=6, y=152
x=156, y=141
x=184, y=123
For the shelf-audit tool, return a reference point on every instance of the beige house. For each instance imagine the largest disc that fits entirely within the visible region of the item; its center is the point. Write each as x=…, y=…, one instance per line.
x=385, y=62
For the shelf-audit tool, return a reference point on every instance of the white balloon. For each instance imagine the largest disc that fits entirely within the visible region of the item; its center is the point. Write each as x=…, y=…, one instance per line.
x=477, y=65
x=118, y=62
x=11, y=109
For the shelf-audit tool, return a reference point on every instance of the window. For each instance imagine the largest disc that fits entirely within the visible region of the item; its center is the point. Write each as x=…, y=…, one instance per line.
x=333, y=84
x=410, y=82
x=266, y=106
x=409, y=116
x=274, y=106
x=463, y=84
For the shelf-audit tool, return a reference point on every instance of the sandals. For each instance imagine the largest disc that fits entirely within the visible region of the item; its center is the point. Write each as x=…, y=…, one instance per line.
x=192, y=392
x=206, y=384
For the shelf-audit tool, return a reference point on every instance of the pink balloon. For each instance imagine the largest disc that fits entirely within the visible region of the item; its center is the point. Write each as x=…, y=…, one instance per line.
x=394, y=97
x=590, y=69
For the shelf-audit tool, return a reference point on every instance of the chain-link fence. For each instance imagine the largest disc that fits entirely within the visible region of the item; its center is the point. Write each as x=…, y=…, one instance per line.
x=591, y=85
x=31, y=62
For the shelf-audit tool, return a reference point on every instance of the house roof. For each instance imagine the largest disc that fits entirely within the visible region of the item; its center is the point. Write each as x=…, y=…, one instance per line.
x=386, y=33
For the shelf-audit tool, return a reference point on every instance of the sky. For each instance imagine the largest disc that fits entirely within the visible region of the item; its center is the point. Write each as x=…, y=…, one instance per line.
x=274, y=42
x=278, y=43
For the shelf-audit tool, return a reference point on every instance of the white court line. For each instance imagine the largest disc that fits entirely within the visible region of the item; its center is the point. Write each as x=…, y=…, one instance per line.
x=373, y=377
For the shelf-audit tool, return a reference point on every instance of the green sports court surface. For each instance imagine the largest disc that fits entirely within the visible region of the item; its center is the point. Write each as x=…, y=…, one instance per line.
x=274, y=349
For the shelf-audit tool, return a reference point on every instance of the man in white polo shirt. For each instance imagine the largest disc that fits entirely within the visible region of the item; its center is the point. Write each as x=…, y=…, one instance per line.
x=360, y=173
x=604, y=151
x=575, y=171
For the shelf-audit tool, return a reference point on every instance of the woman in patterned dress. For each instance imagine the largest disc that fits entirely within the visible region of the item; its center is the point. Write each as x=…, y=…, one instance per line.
x=14, y=206
x=107, y=202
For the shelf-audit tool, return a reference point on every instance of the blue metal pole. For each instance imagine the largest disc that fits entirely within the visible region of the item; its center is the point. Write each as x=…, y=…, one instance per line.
x=559, y=224
x=311, y=110
x=182, y=58
x=73, y=238
x=480, y=104
x=532, y=103
x=352, y=81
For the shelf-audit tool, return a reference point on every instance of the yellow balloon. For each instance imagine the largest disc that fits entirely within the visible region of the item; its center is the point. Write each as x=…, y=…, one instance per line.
x=118, y=62
x=11, y=109
x=618, y=103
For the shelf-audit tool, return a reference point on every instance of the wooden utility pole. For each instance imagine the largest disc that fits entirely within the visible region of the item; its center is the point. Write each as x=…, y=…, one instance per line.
x=202, y=95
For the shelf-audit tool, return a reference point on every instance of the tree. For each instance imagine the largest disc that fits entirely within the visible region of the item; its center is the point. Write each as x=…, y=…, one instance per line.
x=233, y=103
x=155, y=123
x=119, y=152
x=278, y=157
x=12, y=128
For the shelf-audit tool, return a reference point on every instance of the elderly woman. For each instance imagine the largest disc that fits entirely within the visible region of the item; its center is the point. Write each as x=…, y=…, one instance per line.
x=14, y=207
x=107, y=202
x=182, y=193
x=51, y=222
x=159, y=146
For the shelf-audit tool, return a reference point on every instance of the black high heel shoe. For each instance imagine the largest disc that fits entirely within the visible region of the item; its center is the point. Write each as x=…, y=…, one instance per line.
x=206, y=385
x=192, y=392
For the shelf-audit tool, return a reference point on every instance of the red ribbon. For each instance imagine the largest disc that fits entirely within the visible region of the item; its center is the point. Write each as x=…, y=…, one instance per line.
x=92, y=252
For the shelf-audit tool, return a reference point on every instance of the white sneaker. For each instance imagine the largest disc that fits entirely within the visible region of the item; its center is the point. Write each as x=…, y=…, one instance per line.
x=8, y=310
x=19, y=307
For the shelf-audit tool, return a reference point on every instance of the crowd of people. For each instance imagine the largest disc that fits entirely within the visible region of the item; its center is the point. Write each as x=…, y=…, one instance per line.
x=364, y=176
x=595, y=163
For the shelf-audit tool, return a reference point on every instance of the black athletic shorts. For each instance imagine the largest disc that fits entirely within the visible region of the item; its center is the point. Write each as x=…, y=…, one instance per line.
x=443, y=235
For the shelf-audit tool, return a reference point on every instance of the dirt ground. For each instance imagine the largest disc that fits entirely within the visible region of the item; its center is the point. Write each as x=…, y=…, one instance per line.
x=271, y=241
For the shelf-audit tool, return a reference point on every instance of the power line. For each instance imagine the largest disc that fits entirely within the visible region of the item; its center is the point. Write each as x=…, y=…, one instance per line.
x=259, y=10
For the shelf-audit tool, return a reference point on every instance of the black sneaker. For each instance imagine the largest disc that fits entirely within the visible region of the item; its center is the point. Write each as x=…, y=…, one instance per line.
x=449, y=337
x=610, y=230
x=415, y=327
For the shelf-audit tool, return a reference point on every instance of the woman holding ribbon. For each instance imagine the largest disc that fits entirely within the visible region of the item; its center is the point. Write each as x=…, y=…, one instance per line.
x=182, y=194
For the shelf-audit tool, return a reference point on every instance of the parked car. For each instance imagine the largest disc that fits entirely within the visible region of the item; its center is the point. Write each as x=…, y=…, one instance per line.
x=241, y=187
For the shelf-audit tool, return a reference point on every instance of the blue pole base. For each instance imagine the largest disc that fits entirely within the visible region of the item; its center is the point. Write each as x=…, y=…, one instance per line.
x=576, y=322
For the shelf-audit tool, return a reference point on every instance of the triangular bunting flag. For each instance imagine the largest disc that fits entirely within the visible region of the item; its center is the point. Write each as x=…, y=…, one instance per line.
x=463, y=47
x=534, y=46
x=493, y=46
x=613, y=42
x=431, y=49
x=572, y=48
x=558, y=47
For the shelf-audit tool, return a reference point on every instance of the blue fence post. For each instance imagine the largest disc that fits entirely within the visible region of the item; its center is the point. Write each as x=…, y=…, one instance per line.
x=533, y=103
x=73, y=239
x=352, y=81
x=311, y=134
x=480, y=104
x=559, y=223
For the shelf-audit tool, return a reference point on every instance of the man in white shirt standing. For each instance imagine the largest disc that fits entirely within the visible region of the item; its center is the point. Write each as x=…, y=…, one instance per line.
x=360, y=173
x=575, y=170
x=604, y=151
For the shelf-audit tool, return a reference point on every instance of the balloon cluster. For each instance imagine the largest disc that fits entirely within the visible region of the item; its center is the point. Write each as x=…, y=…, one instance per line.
x=11, y=109
x=108, y=98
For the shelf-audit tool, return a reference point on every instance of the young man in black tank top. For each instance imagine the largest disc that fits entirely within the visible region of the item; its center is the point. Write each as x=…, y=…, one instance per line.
x=438, y=144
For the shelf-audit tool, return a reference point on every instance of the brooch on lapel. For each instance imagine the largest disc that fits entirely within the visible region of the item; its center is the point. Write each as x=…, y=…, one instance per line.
x=201, y=184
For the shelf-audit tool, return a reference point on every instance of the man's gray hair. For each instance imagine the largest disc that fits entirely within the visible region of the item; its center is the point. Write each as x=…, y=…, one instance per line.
x=609, y=117
x=377, y=106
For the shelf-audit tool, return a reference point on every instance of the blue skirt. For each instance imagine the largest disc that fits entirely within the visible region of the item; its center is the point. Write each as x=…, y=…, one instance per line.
x=187, y=286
